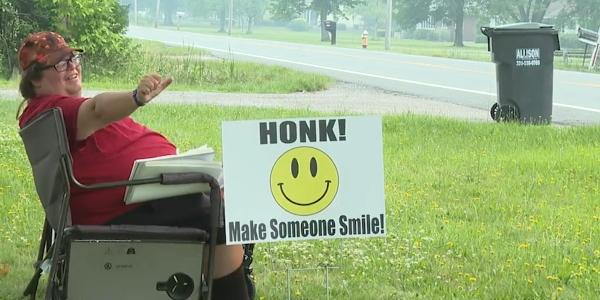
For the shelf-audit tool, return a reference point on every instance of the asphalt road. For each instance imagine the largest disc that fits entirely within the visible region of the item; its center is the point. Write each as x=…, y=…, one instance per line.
x=473, y=84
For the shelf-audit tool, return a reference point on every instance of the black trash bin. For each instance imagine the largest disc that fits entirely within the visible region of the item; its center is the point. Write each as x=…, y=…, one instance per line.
x=524, y=57
x=331, y=26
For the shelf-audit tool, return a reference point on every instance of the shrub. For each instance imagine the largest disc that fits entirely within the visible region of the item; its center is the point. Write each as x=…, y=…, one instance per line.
x=298, y=25
x=437, y=35
x=95, y=26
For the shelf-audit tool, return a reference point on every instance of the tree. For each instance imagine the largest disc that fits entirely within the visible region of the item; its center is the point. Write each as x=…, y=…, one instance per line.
x=585, y=12
x=169, y=8
x=453, y=10
x=290, y=9
x=409, y=13
x=373, y=14
x=96, y=26
x=17, y=19
x=252, y=10
x=509, y=11
x=199, y=8
x=207, y=8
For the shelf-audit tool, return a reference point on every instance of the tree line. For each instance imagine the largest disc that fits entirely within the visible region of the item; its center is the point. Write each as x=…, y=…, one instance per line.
x=98, y=25
x=406, y=13
x=94, y=25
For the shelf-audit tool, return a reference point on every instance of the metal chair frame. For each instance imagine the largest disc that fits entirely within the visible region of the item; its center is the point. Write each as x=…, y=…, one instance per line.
x=55, y=197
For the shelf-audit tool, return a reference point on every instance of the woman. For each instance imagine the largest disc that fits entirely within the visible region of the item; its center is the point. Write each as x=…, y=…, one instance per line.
x=104, y=142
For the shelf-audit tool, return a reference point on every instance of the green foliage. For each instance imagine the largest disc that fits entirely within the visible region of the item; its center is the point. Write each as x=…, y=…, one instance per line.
x=17, y=19
x=192, y=68
x=509, y=11
x=408, y=13
x=298, y=25
x=95, y=26
x=585, y=12
x=373, y=14
x=287, y=10
x=290, y=9
x=253, y=8
x=10, y=24
x=438, y=35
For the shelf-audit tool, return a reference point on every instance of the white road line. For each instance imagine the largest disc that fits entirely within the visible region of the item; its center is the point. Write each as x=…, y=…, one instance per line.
x=577, y=107
x=380, y=76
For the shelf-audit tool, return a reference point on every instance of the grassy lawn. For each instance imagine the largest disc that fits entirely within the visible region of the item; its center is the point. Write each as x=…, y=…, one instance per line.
x=352, y=39
x=474, y=211
x=196, y=70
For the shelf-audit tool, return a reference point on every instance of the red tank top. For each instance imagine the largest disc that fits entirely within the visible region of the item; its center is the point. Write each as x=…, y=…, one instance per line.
x=106, y=155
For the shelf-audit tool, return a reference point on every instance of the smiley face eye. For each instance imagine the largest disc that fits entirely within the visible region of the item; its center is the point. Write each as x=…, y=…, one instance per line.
x=313, y=167
x=295, y=168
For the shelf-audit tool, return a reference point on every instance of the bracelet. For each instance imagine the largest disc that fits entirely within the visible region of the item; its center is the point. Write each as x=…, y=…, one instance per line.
x=135, y=98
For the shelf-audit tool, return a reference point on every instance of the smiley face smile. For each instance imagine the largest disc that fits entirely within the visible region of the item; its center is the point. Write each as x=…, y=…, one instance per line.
x=327, y=182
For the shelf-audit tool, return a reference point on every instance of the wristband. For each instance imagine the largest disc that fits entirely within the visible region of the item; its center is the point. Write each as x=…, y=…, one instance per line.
x=135, y=98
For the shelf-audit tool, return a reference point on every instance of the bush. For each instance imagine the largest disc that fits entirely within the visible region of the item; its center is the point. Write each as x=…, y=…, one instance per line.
x=95, y=26
x=271, y=23
x=298, y=25
x=437, y=35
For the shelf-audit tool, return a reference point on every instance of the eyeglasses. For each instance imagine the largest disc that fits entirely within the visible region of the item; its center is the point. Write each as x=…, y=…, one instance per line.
x=62, y=65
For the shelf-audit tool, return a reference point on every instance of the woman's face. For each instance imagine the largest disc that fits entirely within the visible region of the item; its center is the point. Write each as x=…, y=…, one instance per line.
x=63, y=78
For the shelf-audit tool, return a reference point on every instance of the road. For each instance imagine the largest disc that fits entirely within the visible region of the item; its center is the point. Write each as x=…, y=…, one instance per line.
x=468, y=83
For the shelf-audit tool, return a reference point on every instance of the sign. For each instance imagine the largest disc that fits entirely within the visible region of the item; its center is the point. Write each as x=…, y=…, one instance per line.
x=527, y=57
x=592, y=38
x=300, y=179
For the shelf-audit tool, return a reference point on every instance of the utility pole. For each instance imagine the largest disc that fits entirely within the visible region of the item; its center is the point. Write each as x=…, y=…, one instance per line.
x=135, y=12
x=388, y=23
x=230, y=16
x=157, y=14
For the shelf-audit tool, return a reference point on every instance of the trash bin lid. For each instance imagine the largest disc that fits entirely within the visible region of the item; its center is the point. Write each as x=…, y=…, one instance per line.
x=519, y=28
x=523, y=25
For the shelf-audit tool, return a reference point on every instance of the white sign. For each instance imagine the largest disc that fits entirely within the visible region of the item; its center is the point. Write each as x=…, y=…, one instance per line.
x=527, y=57
x=300, y=179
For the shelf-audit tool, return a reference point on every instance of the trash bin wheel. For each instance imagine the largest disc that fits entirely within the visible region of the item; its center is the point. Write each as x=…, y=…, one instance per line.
x=508, y=113
x=494, y=112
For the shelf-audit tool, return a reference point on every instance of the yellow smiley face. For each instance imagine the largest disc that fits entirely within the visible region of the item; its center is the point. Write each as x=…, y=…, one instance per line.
x=304, y=181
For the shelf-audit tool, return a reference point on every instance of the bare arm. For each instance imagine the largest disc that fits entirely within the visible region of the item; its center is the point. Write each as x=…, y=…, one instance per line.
x=97, y=112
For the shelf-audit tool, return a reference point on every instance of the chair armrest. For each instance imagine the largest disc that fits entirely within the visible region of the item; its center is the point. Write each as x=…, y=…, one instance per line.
x=135, y=232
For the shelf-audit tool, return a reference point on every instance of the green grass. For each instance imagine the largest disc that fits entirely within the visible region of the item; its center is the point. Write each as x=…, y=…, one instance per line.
x=352, y=39
x=474, y=211
x=8, y=84
x=158, y=48
x=195, y=70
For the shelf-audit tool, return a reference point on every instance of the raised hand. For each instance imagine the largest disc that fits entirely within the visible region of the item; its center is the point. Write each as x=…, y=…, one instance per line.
x=151, y=85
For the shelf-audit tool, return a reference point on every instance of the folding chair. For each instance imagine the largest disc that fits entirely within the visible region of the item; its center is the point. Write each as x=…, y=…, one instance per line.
x=142, y=262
